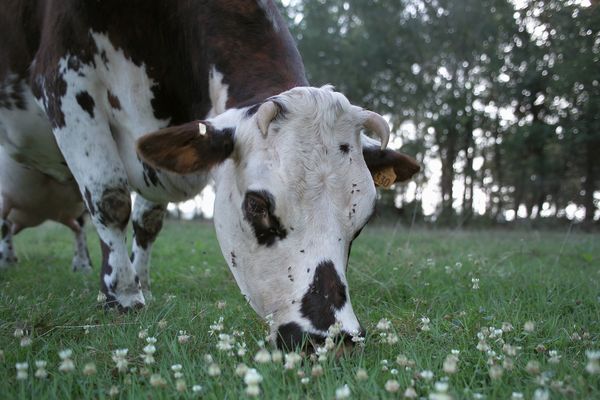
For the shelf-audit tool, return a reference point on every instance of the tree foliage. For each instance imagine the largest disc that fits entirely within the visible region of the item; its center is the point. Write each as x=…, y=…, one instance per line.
x=504, y=95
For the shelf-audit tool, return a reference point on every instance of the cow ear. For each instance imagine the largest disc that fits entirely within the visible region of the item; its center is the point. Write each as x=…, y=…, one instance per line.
x=388, y=166
x=186, y=148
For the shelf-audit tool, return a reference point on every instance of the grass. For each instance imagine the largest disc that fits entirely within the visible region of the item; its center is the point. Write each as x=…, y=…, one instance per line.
x=550, y=279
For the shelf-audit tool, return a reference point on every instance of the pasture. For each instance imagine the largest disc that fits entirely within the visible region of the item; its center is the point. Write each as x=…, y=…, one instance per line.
x=519, y=309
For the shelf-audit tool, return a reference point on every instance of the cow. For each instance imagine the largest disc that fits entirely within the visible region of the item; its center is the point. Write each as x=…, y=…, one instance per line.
x=161, y=97
x=29, y=197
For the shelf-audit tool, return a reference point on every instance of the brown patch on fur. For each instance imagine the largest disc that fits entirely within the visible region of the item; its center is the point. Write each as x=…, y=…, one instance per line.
x=113, y=100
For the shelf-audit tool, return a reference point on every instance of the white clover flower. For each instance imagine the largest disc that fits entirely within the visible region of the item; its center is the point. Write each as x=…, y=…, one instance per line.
x=64, y=354
x=541, y=394
x=208, y=359
x=22, y=370
x=291, y=359
x=162, y=324
x=176, y=367
x=252, y=377
x=394, y=371
x=156, y=380
x=507, y=327
x=410, y=393
x=508, y=364
x=197, y=388
x=342, y=392
x=120, y=360
x=384, y=324
x=183, y=337
x=529, y=326
x=143, y=334
x=392, y=386
x=225, y=342
x=217, y=326
x=402, y=360
x=214, y=370
x=361, y=374
x=113, y=391
x=305, y=380
x=593, y=355
x=241, y=369
x=392, y=339
x=89, y=369
x=25, y=341
x=18, y=333
x=151, y=340
x=252, y=390
x=455, y=352
x=554, y=357
x=180, y=385
x=495, y=372
x=66, y=365
x=221, y=304
x=41, y=369
x=426, y=374
x=483, y=346
x=276, y=356
x=593, y=365
x=475, y=282
x=516, y=396
x=316, y=371
x=101, y=298
x=509, y=350
x=450, y=365
x=329, y=343
x=334, y=329
x=262, y=356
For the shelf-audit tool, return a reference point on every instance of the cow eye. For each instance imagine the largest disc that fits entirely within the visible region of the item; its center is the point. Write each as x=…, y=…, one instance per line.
x=256, y=204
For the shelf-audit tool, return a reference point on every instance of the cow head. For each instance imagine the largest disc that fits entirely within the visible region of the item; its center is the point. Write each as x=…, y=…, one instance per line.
x=294, y=187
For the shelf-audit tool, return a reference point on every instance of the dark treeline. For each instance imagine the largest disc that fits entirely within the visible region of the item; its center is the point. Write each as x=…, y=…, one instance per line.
x=505, y=96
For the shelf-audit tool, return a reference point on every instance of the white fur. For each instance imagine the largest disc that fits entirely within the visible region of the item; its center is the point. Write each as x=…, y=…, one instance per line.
x=217, y=91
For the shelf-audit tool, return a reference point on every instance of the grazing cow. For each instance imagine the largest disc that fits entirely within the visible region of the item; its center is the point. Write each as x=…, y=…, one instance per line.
x=29, y=197
x=120, y=83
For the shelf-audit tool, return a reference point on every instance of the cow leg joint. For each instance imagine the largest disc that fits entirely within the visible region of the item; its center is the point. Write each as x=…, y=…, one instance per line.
x=115, y=207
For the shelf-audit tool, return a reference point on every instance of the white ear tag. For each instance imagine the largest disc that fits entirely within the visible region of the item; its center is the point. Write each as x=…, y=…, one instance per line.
x=201, y=129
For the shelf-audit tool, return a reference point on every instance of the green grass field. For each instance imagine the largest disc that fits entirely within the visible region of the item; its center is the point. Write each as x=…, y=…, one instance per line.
x=549, y=279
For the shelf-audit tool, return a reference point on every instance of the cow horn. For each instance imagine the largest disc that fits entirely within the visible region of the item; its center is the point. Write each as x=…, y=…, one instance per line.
x=265, y=114
x=376, y=124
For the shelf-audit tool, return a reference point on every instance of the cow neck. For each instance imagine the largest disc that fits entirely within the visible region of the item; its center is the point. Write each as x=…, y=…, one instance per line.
x=251, y=47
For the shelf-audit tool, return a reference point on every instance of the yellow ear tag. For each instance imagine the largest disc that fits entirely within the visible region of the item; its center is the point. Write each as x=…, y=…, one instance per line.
x=385, y=178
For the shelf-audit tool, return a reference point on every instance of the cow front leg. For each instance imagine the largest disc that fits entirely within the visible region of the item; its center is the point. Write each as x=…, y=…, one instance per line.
x=147, y=222
x=85, y=140
x=7, y=252
x=81, y=258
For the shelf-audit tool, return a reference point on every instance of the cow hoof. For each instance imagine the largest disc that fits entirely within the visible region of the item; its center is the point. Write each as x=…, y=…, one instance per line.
x=80, y=265
x=6, y=262
x=125, y=302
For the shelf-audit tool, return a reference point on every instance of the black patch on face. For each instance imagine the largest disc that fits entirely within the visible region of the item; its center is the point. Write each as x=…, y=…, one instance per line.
x=290, y=336
x=259, y=208
x=344, y=148
x=86, y=102
x=325, y=295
